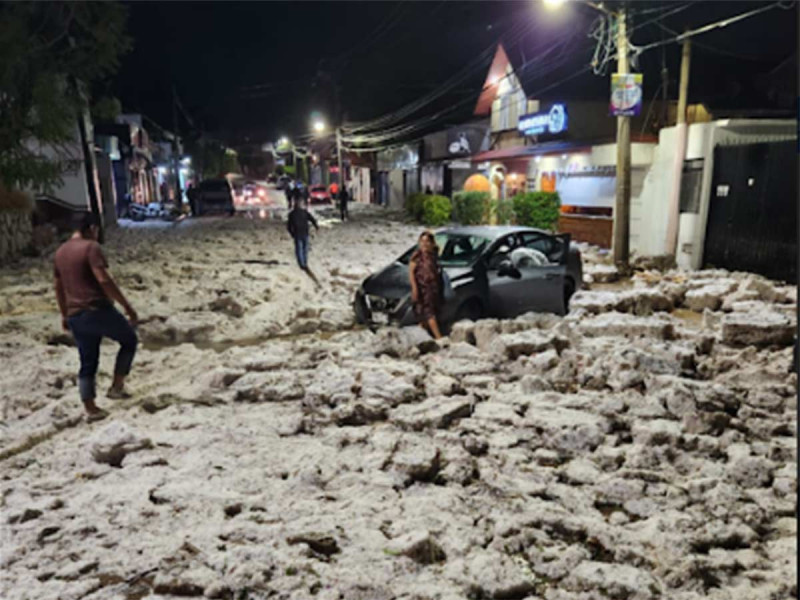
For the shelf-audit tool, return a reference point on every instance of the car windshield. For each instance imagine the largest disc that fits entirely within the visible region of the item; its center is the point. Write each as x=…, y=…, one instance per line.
x=318, y=188
x=455, y=249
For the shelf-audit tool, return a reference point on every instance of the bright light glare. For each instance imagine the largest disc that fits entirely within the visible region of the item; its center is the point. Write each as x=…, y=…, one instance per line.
x=283, y=141
x=564, y=156
x=538, y=158
x=554, y=4
x=319, y=126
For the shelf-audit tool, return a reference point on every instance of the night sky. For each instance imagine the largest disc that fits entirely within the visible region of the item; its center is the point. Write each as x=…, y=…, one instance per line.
x=257, y=70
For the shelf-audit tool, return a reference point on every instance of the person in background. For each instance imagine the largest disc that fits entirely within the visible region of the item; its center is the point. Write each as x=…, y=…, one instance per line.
x=298, y=226
x=426, y=283
x=86, y=292
x=428, y=191
x=344, y=198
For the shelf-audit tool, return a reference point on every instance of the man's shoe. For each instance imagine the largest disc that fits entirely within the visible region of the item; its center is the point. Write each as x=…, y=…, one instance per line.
x=96, y=415
x=118, y=394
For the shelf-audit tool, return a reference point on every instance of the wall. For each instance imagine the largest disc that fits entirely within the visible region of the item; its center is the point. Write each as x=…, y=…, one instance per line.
x=16, y=234
x=589, y=229
x=649, y=210
x=396, y=195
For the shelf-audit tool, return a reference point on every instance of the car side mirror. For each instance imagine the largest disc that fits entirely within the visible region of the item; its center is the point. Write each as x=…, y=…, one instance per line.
x=507, y=269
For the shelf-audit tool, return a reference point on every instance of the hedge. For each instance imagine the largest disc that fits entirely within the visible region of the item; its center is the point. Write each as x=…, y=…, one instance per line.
x=471, y=208
x=537, y=209
x=436, y=210
x=502, y=211
x=414, y=206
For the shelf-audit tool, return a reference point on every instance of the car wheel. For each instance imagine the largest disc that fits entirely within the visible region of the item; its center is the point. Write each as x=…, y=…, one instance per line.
x=569, y=290
x=361, y=310
x=471, y=310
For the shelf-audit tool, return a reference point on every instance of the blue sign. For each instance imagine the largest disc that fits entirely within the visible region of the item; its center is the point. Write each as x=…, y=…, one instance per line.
x=553, y=121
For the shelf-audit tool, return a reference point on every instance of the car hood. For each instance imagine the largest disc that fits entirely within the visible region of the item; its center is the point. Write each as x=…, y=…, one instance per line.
x=392, y=282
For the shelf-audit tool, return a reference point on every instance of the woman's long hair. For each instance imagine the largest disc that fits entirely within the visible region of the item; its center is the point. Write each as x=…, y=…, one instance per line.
x=434, y=248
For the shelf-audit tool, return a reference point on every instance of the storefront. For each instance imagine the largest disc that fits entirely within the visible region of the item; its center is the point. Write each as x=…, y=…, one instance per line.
x=398, y=175
x=567, y=148
x=446, y=163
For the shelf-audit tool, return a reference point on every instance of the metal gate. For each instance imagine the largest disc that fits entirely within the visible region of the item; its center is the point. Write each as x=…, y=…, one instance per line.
x=752, y=218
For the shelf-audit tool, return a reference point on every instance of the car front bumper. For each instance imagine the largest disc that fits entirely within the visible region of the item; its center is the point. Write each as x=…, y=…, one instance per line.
x=377, y=310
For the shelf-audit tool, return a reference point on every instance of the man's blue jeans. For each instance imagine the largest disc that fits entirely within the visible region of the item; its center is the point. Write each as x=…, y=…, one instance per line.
x=301, y=251
x=89, y=327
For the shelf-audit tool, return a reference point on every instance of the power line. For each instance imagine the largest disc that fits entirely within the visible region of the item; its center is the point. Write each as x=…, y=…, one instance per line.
x=425, y=122
x=480, y=61
x=706, y=28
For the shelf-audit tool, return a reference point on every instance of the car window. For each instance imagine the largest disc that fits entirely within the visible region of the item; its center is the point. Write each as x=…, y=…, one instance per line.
x=460, y=250
x=455, y=249
x=551, y=247
x=502, y=250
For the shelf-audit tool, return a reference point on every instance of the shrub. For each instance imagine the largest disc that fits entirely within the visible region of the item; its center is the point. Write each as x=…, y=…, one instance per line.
x=471, y=208
x=436, y=210
x=414, y=206
x=503, y=211
x=537, y=209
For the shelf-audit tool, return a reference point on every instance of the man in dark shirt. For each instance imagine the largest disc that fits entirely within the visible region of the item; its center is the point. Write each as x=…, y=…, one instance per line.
x=297, y=224
x=344, y=198
x=86, y=293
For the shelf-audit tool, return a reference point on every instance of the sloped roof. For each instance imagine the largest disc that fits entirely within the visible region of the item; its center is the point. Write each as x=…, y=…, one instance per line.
x=497, y=71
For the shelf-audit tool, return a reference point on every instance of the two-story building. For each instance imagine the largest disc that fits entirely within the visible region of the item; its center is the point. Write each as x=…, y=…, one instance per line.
x=556, y=145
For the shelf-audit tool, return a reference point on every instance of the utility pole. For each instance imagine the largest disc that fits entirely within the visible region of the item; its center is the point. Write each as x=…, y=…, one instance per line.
x=681, y=136
x=623, y=200
x=176, y=150
x=339, y=158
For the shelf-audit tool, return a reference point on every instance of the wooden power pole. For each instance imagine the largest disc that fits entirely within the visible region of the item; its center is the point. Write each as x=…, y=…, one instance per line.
x=622, y=205
x=681, y=137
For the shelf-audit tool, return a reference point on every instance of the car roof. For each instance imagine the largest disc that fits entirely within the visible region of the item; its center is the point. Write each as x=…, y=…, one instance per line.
x=490, y=231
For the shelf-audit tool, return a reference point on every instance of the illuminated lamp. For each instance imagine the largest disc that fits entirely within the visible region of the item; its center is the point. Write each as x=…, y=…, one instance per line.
x=477, y=183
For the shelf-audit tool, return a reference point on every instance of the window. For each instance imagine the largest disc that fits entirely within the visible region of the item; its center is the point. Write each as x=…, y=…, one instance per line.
x=503, y=251
x=455, y=250
x=551, y=247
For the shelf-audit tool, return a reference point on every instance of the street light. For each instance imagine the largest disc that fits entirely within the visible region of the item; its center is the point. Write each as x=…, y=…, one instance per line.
x=283, y=141
x=319, y=126
x=554, y=4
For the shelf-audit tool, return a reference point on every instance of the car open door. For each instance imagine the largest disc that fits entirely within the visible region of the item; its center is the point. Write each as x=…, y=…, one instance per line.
x=533, y=280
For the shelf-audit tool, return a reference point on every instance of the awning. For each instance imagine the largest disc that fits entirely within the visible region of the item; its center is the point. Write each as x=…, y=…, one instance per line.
x=526, y=151
x=550, y=148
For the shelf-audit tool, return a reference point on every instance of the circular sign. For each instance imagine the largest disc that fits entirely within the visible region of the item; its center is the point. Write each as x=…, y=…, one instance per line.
x=557, y=119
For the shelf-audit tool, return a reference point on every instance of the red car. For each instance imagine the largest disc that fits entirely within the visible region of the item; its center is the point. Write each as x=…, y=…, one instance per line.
x=317, y=194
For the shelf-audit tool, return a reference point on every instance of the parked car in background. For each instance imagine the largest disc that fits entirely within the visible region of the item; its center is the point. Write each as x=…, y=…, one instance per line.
x=489, y=271
x=318, y=194
x=212, y=196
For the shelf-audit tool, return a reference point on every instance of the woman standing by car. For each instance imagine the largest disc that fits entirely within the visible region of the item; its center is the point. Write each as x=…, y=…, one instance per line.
x=426, y=286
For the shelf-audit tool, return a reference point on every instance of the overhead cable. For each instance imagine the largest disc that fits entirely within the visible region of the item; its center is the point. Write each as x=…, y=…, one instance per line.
x=706, y=28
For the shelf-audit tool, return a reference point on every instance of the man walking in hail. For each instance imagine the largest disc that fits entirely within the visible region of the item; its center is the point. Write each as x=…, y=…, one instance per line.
x=86, y=293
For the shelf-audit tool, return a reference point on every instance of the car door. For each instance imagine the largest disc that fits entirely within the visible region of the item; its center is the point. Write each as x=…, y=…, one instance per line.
x=545, y=291
x=506, y=293
x=534, y=286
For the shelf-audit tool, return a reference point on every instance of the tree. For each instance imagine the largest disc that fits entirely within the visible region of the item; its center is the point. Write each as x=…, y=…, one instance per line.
x=50, y=53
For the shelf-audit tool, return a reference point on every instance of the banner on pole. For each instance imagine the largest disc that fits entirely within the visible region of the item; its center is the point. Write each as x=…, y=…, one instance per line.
x=626, y=95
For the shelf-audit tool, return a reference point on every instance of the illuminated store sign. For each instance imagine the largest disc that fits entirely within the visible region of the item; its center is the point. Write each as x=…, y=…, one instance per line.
x=553, y=121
